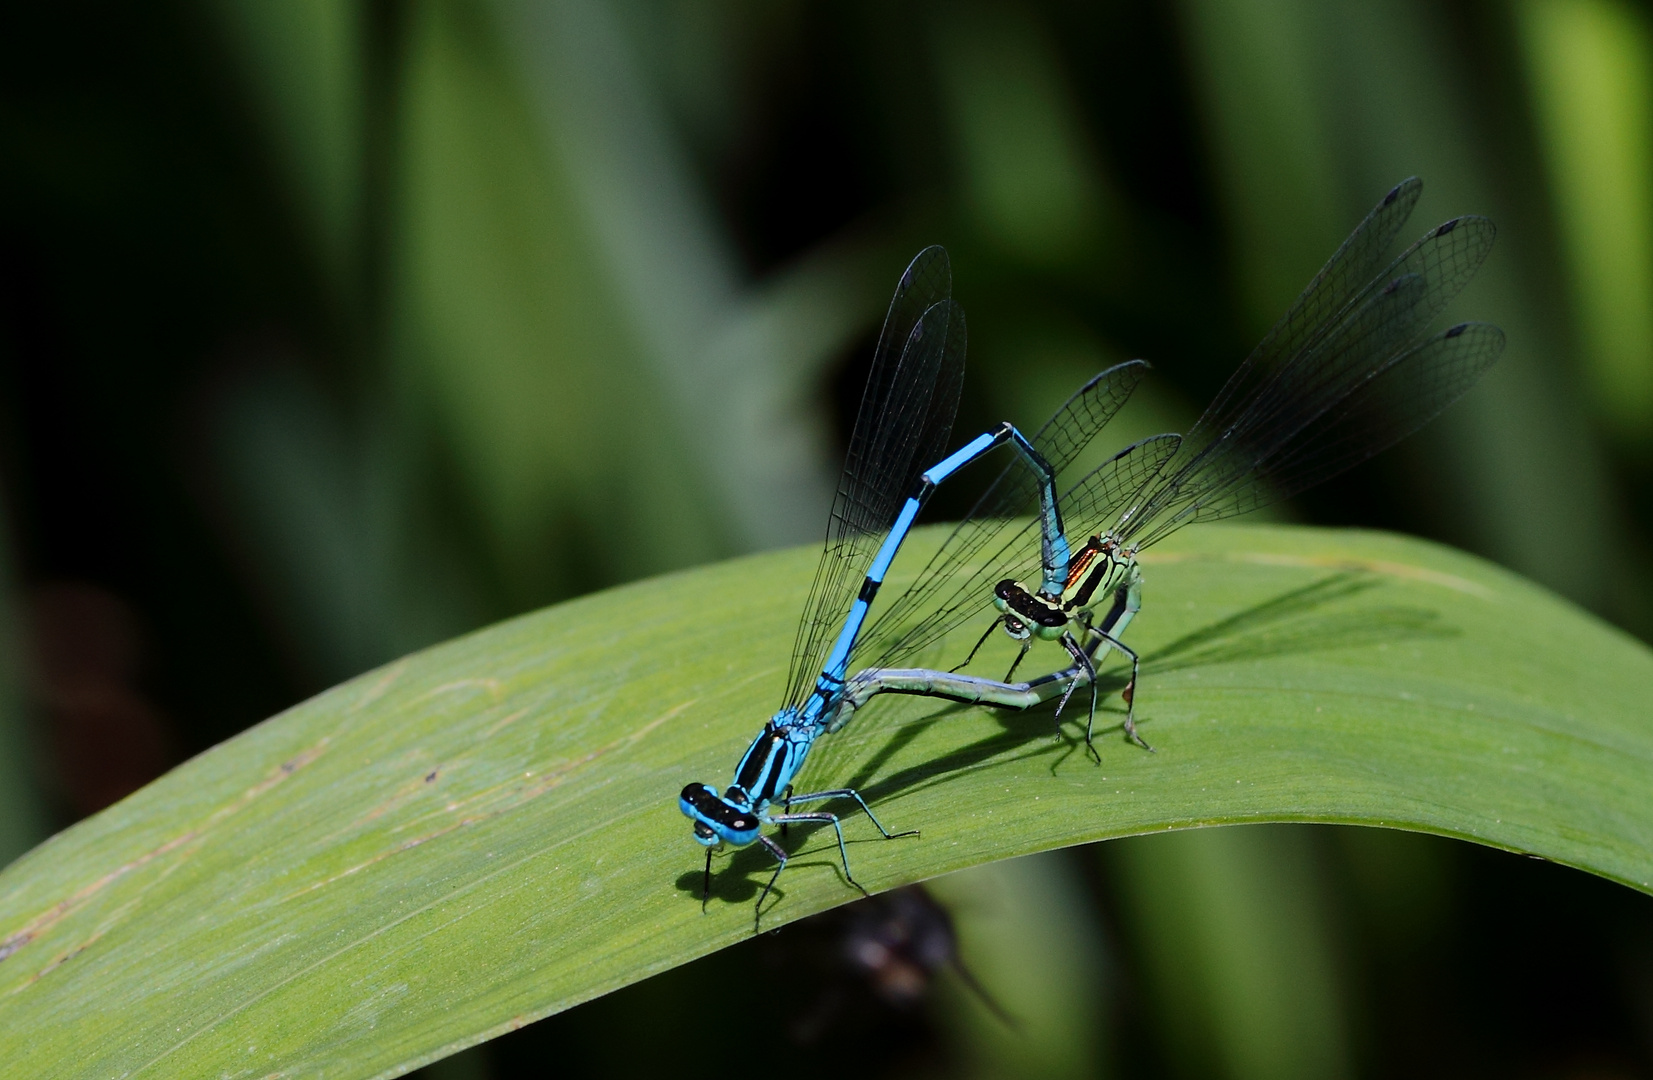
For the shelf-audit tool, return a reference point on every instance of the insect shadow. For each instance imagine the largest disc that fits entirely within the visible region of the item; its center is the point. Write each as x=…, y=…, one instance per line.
x=1311, y=618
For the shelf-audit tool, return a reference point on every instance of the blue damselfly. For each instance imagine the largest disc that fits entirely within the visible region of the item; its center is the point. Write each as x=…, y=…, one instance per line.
x=893, y=464
x=1348, y=371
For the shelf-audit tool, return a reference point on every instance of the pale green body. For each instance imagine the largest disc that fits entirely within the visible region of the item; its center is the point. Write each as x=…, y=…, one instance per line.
x=1099, y=573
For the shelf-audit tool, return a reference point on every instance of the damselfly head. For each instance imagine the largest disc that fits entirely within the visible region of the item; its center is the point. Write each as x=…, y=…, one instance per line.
x=1027, y=612
x=1012, y=625
x=716, y=819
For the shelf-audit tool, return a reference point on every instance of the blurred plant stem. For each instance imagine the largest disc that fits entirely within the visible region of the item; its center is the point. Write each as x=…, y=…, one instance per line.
x=1591, y=65
x=564, y=320
x=302, y=63
x=1232, y=929
x=1258, y=74
x=1027, y=932
x=511, y=340
x=351, y=546
x=1030, y=177
x=1514, y=466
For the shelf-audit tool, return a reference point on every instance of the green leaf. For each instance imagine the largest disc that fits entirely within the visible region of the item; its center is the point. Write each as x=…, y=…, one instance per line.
x=486, y=832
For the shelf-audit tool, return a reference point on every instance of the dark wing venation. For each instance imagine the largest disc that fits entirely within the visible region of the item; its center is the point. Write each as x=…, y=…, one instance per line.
x=1332, y=291
x=1414, y=389
x=1094, y=500
x=978, y=540
x=1012, y=495
x=903, y=425
x=1228, y=461
x=1063, y=437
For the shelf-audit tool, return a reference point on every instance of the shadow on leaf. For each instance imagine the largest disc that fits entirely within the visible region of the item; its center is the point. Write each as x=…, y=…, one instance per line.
x=1292, y=623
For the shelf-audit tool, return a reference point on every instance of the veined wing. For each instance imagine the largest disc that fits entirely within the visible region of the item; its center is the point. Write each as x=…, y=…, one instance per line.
x=1323, y=304
x=902, y=428
x=1390, y=405
x=993, y=534
x=1229, y=462
x=1088, y=505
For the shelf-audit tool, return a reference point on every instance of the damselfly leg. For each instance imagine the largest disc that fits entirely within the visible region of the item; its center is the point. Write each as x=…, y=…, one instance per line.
x=992, y=626
x=851, y=793
x=837, y=827
x=1021, y=654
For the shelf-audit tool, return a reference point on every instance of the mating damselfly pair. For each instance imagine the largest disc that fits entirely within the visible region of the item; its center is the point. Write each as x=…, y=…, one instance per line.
x=1349, y=370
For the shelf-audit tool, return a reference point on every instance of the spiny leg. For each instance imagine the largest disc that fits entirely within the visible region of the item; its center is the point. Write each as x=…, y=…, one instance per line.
x=786, y=804
x=1084, y=620
x=1027, y=643
x=1128, y=695
x=1084, y=668
x=780, y=859
x=843, y=852
x=851, y=793
x=1073, y=684
x=1083, y=660
x=994, y=625
x=706, y=888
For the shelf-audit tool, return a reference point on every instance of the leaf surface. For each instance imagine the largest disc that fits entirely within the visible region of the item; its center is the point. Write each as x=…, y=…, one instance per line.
x=486, y=832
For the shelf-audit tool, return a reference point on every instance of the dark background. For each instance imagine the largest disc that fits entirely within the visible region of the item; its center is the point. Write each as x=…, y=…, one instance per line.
x=332, y=329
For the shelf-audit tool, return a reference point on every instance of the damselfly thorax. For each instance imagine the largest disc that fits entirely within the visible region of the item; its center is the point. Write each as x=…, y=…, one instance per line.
x=1095, y=572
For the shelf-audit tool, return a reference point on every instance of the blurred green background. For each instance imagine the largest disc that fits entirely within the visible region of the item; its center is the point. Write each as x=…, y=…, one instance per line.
x=331, y=329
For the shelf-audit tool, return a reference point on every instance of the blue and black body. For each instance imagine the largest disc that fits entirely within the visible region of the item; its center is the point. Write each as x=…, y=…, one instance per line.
x=1347, y=372
x=895, y=460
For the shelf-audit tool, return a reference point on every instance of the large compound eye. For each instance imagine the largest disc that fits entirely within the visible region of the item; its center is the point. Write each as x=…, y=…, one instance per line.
x=701, y=797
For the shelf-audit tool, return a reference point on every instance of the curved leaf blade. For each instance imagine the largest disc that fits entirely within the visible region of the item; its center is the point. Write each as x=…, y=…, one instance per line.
x=486, y=832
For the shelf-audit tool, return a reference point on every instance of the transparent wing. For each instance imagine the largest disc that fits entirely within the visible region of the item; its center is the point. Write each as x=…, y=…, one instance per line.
x=1346, y=275
x=1094, y=503
x=902, y=428
x=979, y=540
x=1014, y=552
x=1417, y=387
x=1230, y=461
